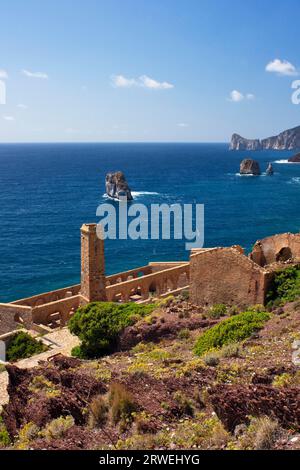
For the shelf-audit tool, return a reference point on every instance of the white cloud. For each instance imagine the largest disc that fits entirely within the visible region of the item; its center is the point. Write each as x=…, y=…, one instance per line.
x=119, y=81
x=236, y=96
x=148, y=82
x=8, y=118
x=22, y=106
x=29, y=74
x=3, y=74
x=182, y=124
x=281, y=67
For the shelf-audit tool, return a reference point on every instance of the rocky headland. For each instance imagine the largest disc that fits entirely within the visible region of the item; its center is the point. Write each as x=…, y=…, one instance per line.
x=295, y=158
x=117, y=187
x=286, y=140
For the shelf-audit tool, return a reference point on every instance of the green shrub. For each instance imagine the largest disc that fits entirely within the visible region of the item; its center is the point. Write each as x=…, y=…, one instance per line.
x=231, y=350
x=234, y=310
x=57, y=428
x=99, y=324
x=185, y=405
x=27, y=434
x=285, y=287
x=22, y=345
x=211, y=359
x=217, y=311
x=4, y=436
x=184, y=334
x=231, y=330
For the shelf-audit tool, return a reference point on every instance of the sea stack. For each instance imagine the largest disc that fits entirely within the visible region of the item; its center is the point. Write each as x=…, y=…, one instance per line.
x=295, y=158
x=117, y=187
x=270, y=170
x=249, y=167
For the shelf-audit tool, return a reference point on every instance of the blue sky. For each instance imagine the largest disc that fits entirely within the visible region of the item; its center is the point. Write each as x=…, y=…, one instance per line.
x=147, y=70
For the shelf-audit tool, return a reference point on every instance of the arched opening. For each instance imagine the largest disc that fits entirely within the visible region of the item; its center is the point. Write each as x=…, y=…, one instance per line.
x=152, y=288
x=18, y=319
x=285, y=254
x=183, y=280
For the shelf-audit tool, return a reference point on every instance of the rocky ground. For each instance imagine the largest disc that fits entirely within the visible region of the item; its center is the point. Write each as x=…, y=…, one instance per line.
x=156, y=394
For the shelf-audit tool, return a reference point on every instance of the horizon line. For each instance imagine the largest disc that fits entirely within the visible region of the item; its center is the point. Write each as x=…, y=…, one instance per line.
x=112, y=142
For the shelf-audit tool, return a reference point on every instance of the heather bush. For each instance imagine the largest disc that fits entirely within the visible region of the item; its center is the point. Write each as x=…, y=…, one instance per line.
x=27, y=434
x=121, y=403
x=231, y=350
x=57, y=428
x=211, y=359
x=99, y=324
x=217, y=311
x=98, y=412
x=184, y=404
x=184, y=334
x=231, y=330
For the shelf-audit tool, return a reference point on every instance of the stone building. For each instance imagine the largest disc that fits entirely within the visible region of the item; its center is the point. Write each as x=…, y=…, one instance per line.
x=277, y=249
x=216, y=275
x=226, y=275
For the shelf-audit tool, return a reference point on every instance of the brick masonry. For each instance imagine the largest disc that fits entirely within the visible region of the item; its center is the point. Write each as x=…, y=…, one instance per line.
x=216, y=275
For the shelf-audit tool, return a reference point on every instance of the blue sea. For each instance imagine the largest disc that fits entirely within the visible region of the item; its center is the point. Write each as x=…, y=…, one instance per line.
x=47, y=191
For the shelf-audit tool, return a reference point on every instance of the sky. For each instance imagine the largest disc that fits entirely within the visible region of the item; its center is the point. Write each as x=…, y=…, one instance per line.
x=147, y=70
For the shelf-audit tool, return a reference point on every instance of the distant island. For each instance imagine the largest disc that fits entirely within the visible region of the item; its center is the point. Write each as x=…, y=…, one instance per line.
x=286, y=140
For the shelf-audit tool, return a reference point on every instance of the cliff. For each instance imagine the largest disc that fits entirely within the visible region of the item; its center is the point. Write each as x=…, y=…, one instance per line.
x=286, y=140
x=240, y=143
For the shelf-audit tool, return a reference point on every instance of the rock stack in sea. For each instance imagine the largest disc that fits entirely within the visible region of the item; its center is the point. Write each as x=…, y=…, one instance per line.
x=270, y=170
x=117, y=187
x=250, y=167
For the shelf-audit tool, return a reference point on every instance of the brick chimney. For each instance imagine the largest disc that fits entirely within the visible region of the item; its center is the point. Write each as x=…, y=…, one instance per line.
x=92, y=265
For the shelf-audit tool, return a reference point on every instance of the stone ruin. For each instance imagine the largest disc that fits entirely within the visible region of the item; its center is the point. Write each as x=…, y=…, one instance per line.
x=212, y=276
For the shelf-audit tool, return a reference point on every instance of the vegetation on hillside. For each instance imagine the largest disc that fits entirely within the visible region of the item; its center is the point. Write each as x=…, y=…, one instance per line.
x=99, y=324
x=285, y=287
x=242, y=393
x=231, y=330
x=22, y=345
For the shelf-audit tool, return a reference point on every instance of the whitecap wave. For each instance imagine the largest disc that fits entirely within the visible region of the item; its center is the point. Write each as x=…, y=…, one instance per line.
x=295, y=180
x=143, y=193
x=239, y=174
x=136, y=194
x=281, y=161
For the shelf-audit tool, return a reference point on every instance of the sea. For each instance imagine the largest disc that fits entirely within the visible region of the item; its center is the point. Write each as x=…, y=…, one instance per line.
x=47, y=191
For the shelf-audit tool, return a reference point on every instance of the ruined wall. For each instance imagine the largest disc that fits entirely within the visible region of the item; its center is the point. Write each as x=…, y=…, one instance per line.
x=48, y=297
x=12, y=316
x=225, y=275
x=279, y=248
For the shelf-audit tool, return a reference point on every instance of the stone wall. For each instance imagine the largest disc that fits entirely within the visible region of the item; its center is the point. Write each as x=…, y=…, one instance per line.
x=13, y=316
x=225, y=275
x=48, y=297
x=150, y=285
x=279, y=248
